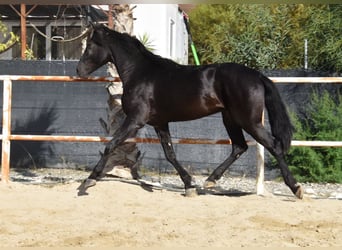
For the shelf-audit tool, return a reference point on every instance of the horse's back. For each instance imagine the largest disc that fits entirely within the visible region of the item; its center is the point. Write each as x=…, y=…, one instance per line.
x=189, y=92
x=238, y=74
x=239, y=79
x=185, y=93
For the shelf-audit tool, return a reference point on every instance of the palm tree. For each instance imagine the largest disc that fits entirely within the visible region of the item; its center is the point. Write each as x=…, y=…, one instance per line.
x=122, y=160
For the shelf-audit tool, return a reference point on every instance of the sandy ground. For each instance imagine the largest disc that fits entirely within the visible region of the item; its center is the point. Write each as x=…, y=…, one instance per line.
x=122, y=214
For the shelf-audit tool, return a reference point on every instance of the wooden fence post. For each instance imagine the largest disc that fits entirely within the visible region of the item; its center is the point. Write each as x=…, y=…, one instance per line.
x=6, y=130
x=260, y=164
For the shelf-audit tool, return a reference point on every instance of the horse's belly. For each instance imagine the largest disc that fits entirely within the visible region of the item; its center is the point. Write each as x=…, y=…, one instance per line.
x=192, y=115
x=185, y=113
x=184, y=107
x=206, y=105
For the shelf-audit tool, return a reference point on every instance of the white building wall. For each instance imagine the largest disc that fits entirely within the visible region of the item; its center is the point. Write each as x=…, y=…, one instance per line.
x=164, y=25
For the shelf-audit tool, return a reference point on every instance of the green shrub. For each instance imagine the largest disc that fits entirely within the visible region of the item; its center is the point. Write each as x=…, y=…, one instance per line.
x=10, y=38
x=322, y=122
x=269, y=36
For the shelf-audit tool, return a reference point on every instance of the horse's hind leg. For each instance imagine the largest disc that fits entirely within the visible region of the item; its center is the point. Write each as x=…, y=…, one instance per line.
x=273, y=145
x=239, y=146
x=165, y=140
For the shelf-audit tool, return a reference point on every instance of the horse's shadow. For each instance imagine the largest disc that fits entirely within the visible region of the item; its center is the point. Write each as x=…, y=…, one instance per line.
x=155, y=186
x=222, y=192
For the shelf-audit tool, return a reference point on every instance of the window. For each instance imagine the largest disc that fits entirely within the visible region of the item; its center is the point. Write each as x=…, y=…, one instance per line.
x=68, y=50
x=35, y=42
x=44, y=48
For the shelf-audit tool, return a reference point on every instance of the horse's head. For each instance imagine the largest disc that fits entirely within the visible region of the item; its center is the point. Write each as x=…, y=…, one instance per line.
x=97, y=52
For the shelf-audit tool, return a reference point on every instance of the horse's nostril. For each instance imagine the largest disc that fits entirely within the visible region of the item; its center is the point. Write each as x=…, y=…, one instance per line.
x=79, y=72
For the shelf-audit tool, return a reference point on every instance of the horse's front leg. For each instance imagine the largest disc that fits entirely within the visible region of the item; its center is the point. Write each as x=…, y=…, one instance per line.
x=165, y=140
x=129, y=128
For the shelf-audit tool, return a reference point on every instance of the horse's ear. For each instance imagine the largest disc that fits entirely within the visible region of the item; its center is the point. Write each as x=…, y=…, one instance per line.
x=91, y=24
x=92, y=29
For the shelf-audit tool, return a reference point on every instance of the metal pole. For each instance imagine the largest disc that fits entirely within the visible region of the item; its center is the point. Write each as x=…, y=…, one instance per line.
x=192, y=45
x=194, y=52
x=6, y=130
x=305, y=54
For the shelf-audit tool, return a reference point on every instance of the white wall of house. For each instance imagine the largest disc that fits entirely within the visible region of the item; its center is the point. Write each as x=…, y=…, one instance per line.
x=164, y=25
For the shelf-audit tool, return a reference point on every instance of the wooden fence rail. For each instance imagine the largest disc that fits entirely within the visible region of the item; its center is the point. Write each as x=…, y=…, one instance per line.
x=7, y=137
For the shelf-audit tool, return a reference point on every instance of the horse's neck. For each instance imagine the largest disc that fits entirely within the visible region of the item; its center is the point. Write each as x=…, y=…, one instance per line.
x=126, y=63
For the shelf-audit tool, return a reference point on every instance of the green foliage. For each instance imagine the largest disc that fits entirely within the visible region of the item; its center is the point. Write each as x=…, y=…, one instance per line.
x=269, y=36
x=146, y=41
x=323, y=30
x=10, y=40
x=322, y=122
x=29, y=54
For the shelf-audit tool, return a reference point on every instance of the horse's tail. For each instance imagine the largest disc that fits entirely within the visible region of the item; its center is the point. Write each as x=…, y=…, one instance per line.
x=279, y=119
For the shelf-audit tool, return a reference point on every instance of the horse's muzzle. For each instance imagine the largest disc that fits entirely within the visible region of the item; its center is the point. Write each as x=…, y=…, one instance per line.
x=81, y=73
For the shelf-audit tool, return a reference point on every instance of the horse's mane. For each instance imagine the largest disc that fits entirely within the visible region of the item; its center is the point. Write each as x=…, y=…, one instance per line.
x=129, y=42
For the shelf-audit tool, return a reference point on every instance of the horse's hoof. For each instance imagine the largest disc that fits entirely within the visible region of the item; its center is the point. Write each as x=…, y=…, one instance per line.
x=191, y=192
x=300, y=192
x=209, y=184
x=87, y=183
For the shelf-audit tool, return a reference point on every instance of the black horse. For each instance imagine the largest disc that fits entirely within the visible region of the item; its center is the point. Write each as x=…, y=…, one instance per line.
x=157, y=91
